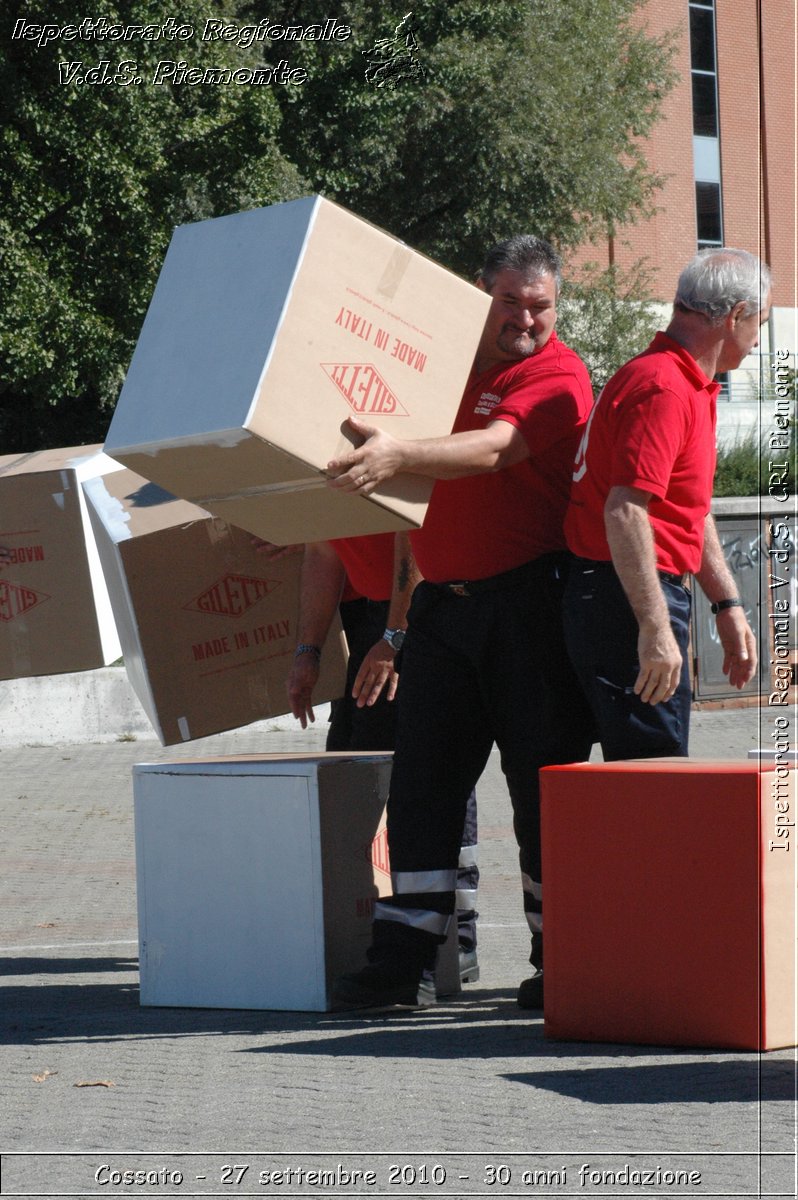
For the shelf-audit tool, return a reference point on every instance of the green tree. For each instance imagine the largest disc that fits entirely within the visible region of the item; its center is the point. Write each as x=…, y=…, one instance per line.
x=519, y=116
x=92, y=179
x=607, y=317
x=510, y=117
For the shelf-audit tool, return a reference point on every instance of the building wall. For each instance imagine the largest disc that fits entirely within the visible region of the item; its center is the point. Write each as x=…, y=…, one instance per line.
x=668, y=237
x=756, y=74
x=670, y=234
x=778, y=149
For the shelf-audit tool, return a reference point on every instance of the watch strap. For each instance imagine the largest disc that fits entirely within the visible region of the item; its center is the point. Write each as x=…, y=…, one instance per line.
x=720, y=605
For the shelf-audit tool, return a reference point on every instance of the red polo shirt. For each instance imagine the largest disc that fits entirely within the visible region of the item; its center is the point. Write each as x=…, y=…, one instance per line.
x=482, y=525
x=369, y=564
x=653, y=428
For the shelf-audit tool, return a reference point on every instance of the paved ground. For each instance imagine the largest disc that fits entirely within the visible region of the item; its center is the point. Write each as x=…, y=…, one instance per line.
x=466, y=1099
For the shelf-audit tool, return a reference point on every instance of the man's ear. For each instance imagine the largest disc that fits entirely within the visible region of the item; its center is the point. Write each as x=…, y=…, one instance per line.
x=738, y=312
x=481, y=284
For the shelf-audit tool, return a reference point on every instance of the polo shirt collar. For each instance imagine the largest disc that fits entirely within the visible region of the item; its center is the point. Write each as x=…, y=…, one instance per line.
x=686, y=362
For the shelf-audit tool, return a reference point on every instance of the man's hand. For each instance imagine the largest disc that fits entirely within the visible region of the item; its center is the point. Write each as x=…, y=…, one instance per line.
x=364, y=469
x=301, y=682
x=660, y=663
x=739, y=646
x=376, y=672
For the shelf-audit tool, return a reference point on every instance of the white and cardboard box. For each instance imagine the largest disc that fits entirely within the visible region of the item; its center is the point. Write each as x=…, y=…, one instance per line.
x=257, y=877
x=55, y=614
x=265, y=331
x=208, y=626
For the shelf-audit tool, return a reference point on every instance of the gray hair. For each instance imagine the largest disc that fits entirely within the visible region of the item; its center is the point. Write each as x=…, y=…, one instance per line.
x=525, y=253
x=716, y=280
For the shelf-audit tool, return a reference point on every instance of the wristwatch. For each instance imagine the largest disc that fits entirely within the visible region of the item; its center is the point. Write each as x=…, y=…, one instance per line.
x=394, y=638
x=719, y=605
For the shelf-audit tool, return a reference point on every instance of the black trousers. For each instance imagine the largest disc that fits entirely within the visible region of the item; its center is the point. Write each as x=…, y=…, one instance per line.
x=374, y=728
x=480, y=666
x=601, y=633
x=371, y=727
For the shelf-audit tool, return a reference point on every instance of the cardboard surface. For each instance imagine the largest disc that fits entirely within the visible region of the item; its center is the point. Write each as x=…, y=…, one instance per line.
x=669, y=917
x=256, y=882
x=55, y=614
x=266, y=330
x=208, y=625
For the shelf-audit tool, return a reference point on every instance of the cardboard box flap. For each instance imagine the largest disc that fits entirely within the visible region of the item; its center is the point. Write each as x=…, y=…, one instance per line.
x=83, y=460
x=130, y=506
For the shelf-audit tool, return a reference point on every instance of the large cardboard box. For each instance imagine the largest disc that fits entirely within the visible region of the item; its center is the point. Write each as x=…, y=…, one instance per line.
x=257, y=877
x=55, y=615
x=670, y=891
x=208, y=626
x=266, y=330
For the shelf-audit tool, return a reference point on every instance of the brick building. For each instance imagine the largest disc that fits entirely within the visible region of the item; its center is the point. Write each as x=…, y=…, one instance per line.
x=726, y=145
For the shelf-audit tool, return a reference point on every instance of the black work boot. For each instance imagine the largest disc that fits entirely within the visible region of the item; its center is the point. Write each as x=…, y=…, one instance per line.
x=530, y=991
x=399, y=957
x=467, y=939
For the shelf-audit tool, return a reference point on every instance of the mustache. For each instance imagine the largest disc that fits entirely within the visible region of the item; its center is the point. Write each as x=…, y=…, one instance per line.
x=514, y=331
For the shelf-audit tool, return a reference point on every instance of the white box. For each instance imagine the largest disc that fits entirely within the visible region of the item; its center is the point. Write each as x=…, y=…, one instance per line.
x=55, y=613
x=257, y=877
x=266, y=330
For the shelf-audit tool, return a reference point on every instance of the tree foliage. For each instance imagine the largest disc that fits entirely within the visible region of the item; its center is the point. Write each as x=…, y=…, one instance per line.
x=517, y=117
x=607, y=317
x=526, y=116
x=92, y=180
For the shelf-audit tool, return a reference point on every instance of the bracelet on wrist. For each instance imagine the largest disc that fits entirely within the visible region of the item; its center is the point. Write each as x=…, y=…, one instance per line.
x=308, y=648
x=721, y=605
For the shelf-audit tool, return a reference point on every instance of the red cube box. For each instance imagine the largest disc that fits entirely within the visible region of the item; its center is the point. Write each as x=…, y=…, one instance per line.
x=670, y=903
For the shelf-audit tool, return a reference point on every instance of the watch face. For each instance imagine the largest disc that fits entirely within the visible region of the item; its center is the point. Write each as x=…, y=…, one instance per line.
x=397, y=638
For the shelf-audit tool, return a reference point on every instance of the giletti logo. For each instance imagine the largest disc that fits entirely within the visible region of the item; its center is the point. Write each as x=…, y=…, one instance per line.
x=232, y=595
x=364, y=389
x=377, y=853
x=16, y=600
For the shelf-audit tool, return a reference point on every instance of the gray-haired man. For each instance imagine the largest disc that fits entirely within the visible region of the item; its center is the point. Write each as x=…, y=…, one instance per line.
x=639, y=520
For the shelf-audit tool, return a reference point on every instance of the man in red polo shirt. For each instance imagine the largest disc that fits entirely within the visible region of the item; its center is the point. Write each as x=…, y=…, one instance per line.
x=639, y=520
x=370, y=580
x=484, y=660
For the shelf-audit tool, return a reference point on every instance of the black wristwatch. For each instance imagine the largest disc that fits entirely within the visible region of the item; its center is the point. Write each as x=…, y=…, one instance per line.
x=394, y=638
x=719, y=605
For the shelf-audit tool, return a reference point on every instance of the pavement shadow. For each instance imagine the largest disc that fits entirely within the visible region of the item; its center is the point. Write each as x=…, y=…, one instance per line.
x=743, y=1081
x=67, y=966
x=46, y=1013
x=484, y=1024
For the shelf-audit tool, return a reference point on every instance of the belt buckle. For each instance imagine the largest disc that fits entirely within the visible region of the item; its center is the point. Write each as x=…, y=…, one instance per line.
x=459, y=589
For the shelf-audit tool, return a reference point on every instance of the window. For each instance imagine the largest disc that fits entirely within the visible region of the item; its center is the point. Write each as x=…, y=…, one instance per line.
x=708, y=215
x=702, y=38
x=705, y=106
x=706, y=124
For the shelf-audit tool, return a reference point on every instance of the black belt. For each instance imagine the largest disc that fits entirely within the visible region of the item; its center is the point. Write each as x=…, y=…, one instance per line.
x=593, y=564
x=505, y=579
x=681, y=580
